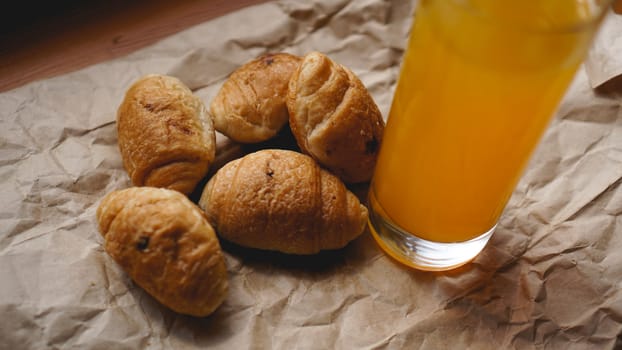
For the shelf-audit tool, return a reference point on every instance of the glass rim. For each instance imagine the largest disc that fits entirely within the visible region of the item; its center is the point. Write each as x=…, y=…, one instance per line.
x=602, y=8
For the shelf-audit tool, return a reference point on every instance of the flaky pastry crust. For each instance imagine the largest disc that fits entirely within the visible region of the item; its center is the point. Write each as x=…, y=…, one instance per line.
x=165, y=244
x=166, y=136
x=282, y=200
x=334, y=118
x=250, y=105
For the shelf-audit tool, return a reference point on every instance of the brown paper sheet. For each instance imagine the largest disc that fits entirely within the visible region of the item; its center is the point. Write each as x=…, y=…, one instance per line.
x=604, y=61
x=550, y=277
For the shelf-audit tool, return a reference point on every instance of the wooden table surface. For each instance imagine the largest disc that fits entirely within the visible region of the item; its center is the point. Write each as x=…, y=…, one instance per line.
x=42, y=39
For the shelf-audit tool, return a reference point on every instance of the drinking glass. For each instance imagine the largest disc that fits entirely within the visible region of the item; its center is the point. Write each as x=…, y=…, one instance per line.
x=479, y=83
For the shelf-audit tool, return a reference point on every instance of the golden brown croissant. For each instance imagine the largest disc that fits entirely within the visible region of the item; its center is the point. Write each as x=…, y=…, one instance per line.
x=250, y=106
x=166, y=137
x=333, y=117
x=282, y=200
x=165, y=244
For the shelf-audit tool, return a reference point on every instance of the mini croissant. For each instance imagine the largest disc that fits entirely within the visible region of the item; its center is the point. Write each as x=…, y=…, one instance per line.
x=165, y=244
x=282, y=200
x=166, y=137
x=250, y=105
x=334, y=118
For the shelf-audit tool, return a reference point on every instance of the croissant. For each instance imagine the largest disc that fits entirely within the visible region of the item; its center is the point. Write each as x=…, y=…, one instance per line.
x=334, y=118
x=250, y=106
x=166, y=137
x=165, y=244
x=282, y=200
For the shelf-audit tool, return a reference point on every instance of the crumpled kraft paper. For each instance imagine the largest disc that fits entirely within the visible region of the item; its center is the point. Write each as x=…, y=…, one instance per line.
x=550, y=277
x=604, y=61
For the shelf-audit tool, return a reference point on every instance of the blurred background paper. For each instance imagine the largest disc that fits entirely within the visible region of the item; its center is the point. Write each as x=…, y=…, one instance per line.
x=604, y=61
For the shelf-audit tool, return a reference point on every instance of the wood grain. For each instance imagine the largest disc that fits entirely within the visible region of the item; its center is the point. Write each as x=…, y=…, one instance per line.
x=74, y=34
x=42, y=39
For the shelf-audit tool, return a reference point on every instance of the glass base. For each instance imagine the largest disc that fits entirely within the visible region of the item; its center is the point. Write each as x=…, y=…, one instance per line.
x=420, y=253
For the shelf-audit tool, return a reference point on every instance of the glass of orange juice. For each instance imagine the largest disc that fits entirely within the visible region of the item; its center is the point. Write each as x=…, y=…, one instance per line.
x=479, y=83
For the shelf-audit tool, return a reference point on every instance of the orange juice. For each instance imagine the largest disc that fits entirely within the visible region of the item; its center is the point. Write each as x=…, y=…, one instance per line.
x=479, y=83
